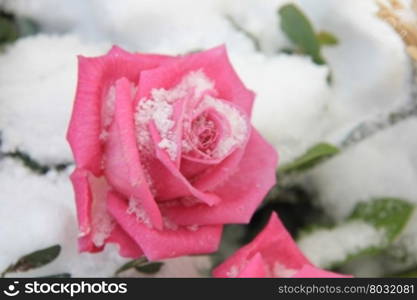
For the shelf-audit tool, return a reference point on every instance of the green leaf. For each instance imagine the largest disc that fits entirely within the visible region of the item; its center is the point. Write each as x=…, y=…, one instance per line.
x=389, y=214
x=300, y=31
x=34, y=260
x=288, y=51
x=311, y=158
x=150, y=268
x=141, y=265
x=26, y=26
x=130, y=265
x=8, y=31
x=327, y=39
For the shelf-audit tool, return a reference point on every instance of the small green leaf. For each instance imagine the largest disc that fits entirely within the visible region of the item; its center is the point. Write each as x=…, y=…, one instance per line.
x=8, y=30
x=300, y=31
x=288, y=51
x=141, y=265
x=389, y=214
x=312, y=157
x=327, y=39
x=34, y=260
x=130, y=265
x=150, y=268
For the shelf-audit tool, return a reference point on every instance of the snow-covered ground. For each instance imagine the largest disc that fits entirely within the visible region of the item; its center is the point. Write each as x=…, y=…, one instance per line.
x=295, y=106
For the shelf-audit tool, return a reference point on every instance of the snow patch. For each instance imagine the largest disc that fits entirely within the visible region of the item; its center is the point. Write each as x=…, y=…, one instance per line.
x=325, y=247
x=108, y=107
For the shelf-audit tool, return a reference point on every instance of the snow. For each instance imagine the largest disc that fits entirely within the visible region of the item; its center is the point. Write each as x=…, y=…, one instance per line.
x=38, y=212
x=42, y=214
x=292, y=96
x=370, y=69
x=37, y=82
x=326, y=247
x=295, y=108
x=384, y=165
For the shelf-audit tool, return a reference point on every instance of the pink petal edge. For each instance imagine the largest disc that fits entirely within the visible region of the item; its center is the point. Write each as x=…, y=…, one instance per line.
x=161, y=244
x=83, y=196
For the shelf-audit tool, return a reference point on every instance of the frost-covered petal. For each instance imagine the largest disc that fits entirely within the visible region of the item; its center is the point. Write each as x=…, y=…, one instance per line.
x=122, y=165
x=95, y=76
x=214, y=63
x=241, y=193
x=234, y=132
x=160, y=244
x=177, y=179
x=82, y=192
x=86, y=194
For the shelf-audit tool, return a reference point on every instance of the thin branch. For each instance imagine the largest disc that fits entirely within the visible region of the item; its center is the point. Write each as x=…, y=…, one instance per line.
x=248, y=34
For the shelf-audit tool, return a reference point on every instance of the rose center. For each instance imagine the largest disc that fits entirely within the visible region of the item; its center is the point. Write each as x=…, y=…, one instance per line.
x=204, y=132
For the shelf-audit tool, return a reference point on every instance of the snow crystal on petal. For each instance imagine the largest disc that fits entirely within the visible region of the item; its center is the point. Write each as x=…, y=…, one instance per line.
x=233, y=272
x=281, y=271
x=169, y=224
x=159, y=108
x=193, y=227
x=108, y=106
x=238, y=125
x=136, y=208
x=102, y=222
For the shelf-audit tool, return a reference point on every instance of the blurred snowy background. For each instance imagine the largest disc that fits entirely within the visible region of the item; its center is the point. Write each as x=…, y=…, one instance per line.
x=361, y=102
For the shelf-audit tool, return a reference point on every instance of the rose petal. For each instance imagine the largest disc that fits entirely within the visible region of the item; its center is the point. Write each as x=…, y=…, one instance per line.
x=210, y=177
x=84, y=198
x=255, y=268
x=95, y=75
x=161, y=244
x=274, y=244
x=309, y=271
x=241, y=193
x=214, y=63
x=127, y=246
x=122, y=163
x=79, y=179
x=222, y=130
x=176, y=179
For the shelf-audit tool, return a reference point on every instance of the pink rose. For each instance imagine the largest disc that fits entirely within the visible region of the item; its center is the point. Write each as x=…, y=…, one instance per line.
x=165, y=153
x=273, y=253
